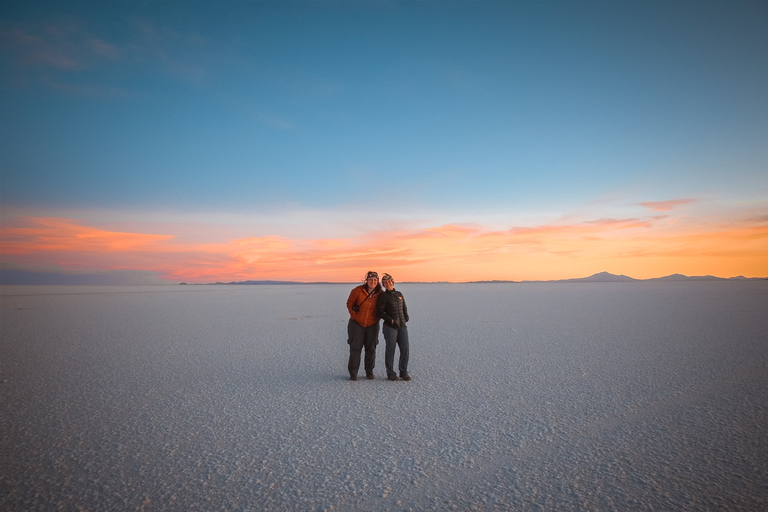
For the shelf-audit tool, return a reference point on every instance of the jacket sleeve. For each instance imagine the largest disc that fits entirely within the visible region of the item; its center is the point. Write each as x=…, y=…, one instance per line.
x=350, y=303
x=405, y=311
x=381, y=308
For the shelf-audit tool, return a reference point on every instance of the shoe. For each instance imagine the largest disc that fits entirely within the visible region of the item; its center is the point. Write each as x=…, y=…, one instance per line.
x=393, y=377
x=353, y=377
x=369, y=376
x=405, y=376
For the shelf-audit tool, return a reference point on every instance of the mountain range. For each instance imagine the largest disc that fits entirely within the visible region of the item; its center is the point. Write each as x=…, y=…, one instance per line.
x=600, y=277
x=607, y=277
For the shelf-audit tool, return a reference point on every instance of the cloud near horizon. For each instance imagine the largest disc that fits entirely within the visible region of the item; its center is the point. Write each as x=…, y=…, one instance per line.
x=666, y=206
x=641, y=248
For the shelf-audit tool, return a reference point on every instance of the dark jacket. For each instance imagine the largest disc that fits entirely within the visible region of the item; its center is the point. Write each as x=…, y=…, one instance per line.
x=391, y=307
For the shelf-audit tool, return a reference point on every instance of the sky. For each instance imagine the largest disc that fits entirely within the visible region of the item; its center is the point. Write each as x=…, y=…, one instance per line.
x=170, y=141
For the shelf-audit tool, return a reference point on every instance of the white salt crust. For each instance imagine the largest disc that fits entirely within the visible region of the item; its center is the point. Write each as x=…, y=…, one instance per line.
x=540, y=396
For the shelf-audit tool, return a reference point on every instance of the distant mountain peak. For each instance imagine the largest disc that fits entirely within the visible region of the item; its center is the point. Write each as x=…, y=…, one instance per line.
x=671, y=277
x=602, y=277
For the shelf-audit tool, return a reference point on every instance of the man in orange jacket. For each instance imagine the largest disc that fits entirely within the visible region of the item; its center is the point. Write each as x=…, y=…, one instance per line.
x=363, y=326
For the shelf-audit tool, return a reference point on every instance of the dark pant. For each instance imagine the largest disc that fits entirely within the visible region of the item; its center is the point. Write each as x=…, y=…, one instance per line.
x=400, y=338
x=359, y=337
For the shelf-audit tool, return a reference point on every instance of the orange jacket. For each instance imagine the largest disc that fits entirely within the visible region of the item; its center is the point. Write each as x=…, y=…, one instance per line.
x=367, y=315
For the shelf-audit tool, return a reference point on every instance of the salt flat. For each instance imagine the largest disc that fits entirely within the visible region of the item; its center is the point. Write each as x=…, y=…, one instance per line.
x=540, y=396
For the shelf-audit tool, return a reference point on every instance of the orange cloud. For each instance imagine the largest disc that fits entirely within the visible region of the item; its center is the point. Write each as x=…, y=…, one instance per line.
x=665, y=206
x=638, y=247
x=64, y=235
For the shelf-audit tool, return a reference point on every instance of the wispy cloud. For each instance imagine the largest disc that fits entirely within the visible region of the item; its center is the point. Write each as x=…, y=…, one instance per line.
x=275, y=122
x=103, y=48
x=178, y=53
x=67, y=46
x=33, y=50
x=638, y=247
x=665, y=206
x=60, y=50
x=45, y=234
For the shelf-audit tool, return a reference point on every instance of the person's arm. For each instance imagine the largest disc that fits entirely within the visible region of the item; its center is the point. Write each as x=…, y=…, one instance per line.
x=405, y=311
x=381, y=308
x=350, y=303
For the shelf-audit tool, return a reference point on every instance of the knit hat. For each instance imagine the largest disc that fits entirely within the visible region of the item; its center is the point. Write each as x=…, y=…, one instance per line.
x=387, y=277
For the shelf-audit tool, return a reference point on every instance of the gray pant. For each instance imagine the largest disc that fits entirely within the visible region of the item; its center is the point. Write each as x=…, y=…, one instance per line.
x=359, y=337
x=400, y=338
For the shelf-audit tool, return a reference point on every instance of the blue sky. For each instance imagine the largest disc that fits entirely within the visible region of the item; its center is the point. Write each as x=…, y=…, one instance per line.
x=311, y=119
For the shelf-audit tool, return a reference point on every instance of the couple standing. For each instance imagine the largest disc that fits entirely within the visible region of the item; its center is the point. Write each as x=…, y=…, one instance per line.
x=367, y=304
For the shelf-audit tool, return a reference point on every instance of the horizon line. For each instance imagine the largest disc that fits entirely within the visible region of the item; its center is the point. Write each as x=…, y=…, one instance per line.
x=102, y=279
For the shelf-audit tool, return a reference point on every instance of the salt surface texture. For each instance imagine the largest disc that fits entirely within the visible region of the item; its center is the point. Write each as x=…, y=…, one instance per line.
x=572, y=396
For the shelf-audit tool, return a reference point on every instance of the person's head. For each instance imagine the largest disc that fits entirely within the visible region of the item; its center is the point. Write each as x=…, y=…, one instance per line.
x=387, y=281
x=371, y=280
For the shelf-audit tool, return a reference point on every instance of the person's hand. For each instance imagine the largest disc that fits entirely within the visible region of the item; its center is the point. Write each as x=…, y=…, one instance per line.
x=396, y=324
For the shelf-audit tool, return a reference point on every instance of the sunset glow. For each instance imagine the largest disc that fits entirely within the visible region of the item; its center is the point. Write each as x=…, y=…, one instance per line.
x=642, y=248
x=437, y=141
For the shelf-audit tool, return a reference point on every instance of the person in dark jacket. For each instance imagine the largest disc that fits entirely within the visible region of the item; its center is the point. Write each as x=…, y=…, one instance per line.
x=392, y=308
x=363, y=326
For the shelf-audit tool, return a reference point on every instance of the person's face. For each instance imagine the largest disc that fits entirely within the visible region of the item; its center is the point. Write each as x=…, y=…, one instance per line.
x=372, y=282
x=388, y=284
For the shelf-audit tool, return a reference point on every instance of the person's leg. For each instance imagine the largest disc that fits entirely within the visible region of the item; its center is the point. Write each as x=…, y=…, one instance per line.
x=390, y=338
x=371, y=340
x=355, y=341
x=402, y=342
